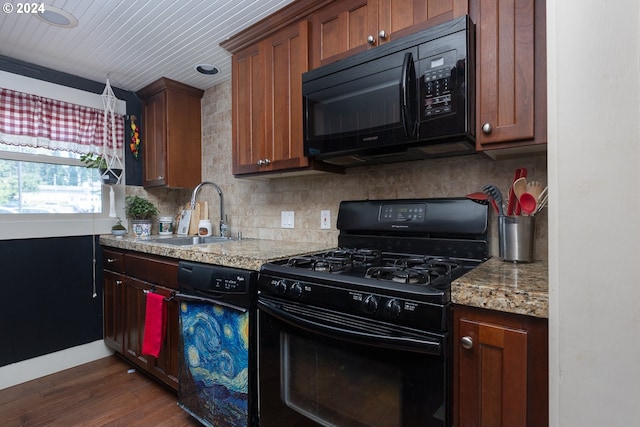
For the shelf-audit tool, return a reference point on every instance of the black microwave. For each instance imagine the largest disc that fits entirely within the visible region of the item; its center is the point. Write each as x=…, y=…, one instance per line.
x=409, y=99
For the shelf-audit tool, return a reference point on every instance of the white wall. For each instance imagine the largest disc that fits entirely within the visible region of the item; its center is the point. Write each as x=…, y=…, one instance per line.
x=594, y=230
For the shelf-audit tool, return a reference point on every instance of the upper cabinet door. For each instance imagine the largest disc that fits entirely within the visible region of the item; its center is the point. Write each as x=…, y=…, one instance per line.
x=267, y=102
x=154, y=140
x=287, y=57
x=171, y=134
x=397, y=18
x=507, y=58
x=346, y=27
x=341, y=29
x=249, y=108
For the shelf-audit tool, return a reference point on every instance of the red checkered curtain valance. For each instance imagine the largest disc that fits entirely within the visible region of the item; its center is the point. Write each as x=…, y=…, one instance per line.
x=33, y=121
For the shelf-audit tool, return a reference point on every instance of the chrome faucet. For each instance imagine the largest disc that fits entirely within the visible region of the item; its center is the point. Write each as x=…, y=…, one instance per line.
x=223, y=226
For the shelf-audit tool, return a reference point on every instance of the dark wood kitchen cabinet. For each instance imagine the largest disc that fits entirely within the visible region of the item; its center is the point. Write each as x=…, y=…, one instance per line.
x=266, y=90
x=171, y=134
x=267, y=103
x=346, y=27
x=267, y=94
x=500, y=369
x=113, y=300
x=510, y=75
x=125, y=308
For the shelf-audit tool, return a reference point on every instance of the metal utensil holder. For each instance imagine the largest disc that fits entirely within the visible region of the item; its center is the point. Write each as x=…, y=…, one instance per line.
x=517, y=238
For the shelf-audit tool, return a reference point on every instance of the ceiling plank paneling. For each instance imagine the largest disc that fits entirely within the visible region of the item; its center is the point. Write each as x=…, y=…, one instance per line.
x=135, y=42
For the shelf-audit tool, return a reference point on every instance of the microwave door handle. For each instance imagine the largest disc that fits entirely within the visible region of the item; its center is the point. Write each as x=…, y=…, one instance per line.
x=408, y=90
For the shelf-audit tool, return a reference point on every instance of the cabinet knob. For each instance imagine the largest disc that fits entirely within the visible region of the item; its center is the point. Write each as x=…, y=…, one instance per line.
x=371, y=40
x=486, y=128
x=467, y=343
x=382, y=34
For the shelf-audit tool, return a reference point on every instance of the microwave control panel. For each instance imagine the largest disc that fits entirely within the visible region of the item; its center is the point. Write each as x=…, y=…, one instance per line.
x=438, y=83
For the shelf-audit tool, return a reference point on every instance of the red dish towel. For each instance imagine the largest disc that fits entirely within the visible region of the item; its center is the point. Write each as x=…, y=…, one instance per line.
x=154, y=324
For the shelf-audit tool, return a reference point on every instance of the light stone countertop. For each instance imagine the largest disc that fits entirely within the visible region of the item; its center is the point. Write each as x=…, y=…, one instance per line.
x=505, y=286
x=249, y=254
x=495, y=284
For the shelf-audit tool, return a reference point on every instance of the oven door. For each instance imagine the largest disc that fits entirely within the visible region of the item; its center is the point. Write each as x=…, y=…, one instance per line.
x=321, y=368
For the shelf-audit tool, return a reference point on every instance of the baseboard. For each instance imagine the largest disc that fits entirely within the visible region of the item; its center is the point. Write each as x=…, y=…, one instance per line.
x=27, y=370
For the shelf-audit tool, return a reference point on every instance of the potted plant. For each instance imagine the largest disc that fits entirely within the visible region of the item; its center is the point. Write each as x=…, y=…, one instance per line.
x=118, y=229
x=141, y=211
x=96, y=161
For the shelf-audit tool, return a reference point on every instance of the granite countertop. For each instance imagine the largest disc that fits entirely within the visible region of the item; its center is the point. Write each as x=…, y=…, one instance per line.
x=505, y=286
x=249, y=254
x=495, y=284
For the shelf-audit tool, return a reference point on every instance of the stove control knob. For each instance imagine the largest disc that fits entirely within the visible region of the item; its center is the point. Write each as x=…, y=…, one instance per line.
x=393, y=309
x=281, y=287
x=296, y=290
x=370, y=304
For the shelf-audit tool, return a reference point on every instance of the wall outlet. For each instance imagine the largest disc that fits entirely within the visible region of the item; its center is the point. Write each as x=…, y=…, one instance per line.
x=287, y=219
x=325, y=220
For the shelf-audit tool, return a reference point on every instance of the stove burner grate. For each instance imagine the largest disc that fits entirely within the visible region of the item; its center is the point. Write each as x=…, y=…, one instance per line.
x=338, y=260
x=401, y=275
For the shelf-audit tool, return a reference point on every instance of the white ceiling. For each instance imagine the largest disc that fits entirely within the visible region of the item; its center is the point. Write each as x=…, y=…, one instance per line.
x=134, y=42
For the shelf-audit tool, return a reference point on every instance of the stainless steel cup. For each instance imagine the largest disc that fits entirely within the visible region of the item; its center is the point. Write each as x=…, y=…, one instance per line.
x=517, y=238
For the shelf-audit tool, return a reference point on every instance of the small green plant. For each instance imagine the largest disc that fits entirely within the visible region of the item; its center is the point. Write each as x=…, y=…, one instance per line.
x=92, y=160
x=118, y=225
x=137, y=207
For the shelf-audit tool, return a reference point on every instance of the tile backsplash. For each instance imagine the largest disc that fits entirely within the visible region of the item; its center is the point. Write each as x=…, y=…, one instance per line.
x=253, y=207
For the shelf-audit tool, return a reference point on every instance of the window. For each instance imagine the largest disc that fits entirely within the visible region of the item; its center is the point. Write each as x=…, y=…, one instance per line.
x=43, y=183
x=55, y=182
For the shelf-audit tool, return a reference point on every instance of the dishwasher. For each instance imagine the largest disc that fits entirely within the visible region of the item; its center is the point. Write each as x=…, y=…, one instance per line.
x=217, y=344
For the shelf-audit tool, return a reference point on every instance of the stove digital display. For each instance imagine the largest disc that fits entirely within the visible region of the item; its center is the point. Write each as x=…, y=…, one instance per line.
x=403, y=213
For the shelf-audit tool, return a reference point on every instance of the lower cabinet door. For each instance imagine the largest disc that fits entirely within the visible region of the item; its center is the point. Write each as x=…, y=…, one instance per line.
x=113, y=310
x=500, y=369
x=135, y=309
x=165, y=366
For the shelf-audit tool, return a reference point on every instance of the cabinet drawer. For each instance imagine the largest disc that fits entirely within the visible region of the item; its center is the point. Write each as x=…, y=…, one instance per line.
x=113, y=261
x=155, y=270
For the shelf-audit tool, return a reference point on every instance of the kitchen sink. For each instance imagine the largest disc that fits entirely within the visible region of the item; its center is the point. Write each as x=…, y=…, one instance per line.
x=189, y=240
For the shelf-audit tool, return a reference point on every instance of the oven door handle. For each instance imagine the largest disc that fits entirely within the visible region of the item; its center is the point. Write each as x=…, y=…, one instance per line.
x=405, y=343
x=194, y=298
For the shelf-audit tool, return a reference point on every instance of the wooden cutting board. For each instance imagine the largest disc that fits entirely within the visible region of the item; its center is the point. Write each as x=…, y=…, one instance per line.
x=201, y=211
x=195, y=218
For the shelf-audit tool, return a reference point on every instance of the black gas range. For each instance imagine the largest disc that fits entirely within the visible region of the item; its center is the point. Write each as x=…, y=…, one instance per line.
x=368, y=321
x=395, y=260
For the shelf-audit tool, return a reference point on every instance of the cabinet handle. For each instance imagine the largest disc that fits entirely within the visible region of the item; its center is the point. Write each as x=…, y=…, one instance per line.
x=371, y=40
x=486, y=128
x=160, y=177
x=467, y=343
x=382, y=34
x=118, y=282
x=110, y=260
x=264, y=162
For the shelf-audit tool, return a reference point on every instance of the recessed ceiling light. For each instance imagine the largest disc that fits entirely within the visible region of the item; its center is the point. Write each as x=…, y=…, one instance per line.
x=206, y=69
x=57, y=17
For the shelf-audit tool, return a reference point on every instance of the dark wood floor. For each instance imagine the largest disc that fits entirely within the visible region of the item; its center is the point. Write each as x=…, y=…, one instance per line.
x=101, y=393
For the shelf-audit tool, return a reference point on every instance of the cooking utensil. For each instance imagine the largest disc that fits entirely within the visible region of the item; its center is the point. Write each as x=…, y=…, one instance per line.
x=494, y=193
x=481, y=197
x=542, y=200
x=478, y=196
x=520, y=187
x=528, y=203
x=534, y=188
x=513, y=204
